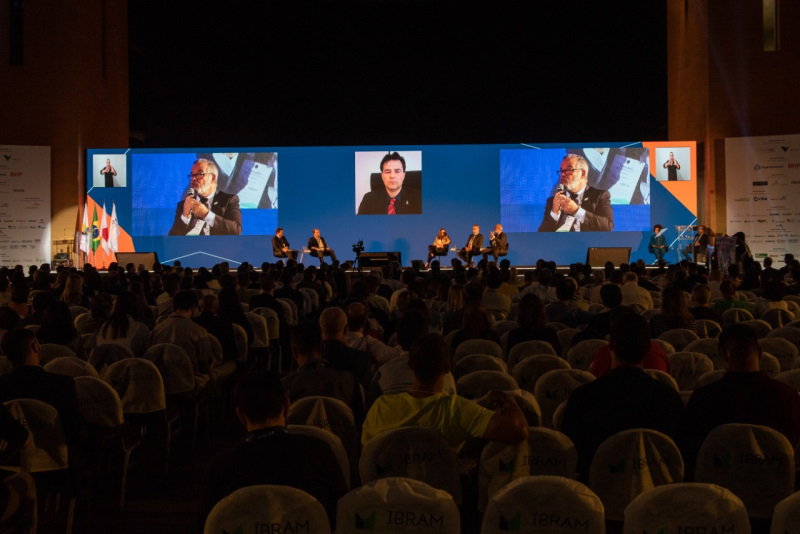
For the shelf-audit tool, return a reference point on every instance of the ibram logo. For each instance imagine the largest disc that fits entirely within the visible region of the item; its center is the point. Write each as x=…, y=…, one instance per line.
x=7, y=157
x=785, y=148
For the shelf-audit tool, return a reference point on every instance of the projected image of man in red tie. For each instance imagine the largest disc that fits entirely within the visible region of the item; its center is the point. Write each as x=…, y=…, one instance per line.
x=393, y=198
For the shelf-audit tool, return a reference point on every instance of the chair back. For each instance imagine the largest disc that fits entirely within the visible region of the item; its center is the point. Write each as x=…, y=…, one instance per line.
x=312, y=299
x=85, y=324
x=686, y=507
x=554, y=387
x=528, y=371
x=789, y=333
x=754, y=462
x=709, y=347
x=786, y=519
x=260, y=330
x=501, y=327
x=710, y=377
x=291, y=509
x=104, y=355
x=520, y=351
x=47, y=450
x=545, y=452
x=707, y=328
x=331, y=415
x=529, y=504
x=478, y=362
x=139, y=385
x=664, y=378
x=782, y=349
x=87, y=345
x=526, y=402
x=769, y=364
x=581, y=355
x=477, y=384
x=679, y=337
x=397, y=505
x=75, y=311
x=565, y=337
x=735, y=315
x=289, y=310
x=70, y=366
x=777, y=317
x=630, y=462
x=666, y=346
x=413, y=452
x=98, y=402
x=333, y=442
x=791, y=377
x=687, y=367
x=273, y=322
x=51, y=351
x=241, y=342
x=477, y=346
x=762, y=328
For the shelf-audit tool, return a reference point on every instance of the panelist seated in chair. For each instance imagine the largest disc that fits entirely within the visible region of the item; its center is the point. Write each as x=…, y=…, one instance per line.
x=498, y=244
x=439, y=247
x=270, y=455
x=473, y=246
x=319, y=248
x=280, y=246
x=393, y=191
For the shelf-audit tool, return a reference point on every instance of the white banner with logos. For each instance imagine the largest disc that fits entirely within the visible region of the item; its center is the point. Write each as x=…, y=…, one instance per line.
x=763, y=193
x=24, y=205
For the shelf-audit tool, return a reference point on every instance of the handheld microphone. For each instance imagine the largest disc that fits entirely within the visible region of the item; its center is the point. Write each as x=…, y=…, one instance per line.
x=561, y=189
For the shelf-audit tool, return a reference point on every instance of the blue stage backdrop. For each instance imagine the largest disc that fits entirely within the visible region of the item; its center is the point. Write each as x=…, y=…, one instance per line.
x=302, y=188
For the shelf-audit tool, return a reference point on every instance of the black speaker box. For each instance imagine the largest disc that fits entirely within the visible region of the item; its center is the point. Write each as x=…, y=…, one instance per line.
x=148, y=259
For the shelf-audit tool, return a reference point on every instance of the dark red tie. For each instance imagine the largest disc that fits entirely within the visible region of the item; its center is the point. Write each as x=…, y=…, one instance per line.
x=391, y=207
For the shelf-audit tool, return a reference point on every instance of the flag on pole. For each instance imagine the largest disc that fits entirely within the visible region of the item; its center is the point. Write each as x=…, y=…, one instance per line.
x=85, y=245
x=113, y=230
x=104, y=230
x=95, y=232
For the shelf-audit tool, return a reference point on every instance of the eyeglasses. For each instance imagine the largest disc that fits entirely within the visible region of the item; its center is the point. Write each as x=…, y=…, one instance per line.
x=568, y=171
x=198, y=175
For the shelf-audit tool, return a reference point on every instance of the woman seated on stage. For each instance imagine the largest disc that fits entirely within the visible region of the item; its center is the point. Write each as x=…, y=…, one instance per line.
x=658, y=243
x=439, y=247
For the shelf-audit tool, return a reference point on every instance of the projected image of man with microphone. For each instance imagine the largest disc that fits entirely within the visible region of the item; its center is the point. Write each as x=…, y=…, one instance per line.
x=576, y=207
x=205, y=210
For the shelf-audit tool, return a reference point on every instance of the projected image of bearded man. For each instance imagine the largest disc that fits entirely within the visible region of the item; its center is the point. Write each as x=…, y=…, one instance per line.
x=205, y=210
x=576, y=207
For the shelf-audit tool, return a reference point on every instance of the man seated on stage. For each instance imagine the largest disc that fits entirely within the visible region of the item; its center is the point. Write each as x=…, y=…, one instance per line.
x=393, y=199
x=498, y=244
x=698, y=247
x=473, y=246
x=206, y=210
x=280, y=246
x=319, y=248
x=270, y=455
x=577, y=207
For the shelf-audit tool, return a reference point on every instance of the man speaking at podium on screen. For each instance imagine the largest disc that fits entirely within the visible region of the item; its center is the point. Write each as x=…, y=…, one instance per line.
x=576, y=207
x=204, y=209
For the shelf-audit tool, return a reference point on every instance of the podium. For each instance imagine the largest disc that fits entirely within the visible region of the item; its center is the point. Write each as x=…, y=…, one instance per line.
x=685, y=239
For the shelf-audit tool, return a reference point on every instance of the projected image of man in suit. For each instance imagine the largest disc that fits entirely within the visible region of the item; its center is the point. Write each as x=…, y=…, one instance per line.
x=577, y=207
x=205, y=210
x=393, y=198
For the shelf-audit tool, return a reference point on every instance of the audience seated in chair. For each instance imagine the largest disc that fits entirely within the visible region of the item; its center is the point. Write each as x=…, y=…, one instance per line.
x=627, y=398
x=270, y=455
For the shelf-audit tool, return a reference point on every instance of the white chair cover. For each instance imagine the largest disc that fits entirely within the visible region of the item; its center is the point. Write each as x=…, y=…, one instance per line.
x=477, y=346
x=554, y=387
x=662, y=377
x=679, y=337
x=581, y=355
x=755, y=462
x=241, y=342
x=260, y=330
x=289, y=310
x=545, y=452
x=413, y=452
x=139, y=385
x=784, y=350
x=544, y=505
x=70, y=366
x=528, y=371
x=789, y=333
x=791, y=377
x=777, y=317
x=520, y=351
x=98, y=402
x=104, y=355
x=687, y=367
x=735, y=315
x=565, y=339
x=525, y=400
x=312, y=299
x=397, y=505
x=267, y=508
x=686, y=507
x=331, y=415
x=51, y=351
x=477, y=384
x=273, y=321
x=665, y=345
x=75, y=311
x=48, y=448
x=501, y=327
x=786, y=519
x=710, y=377
x=762, y=328
x=333, y=442
x=630, y=462
x=769, y=364
x=709, y=347
x=707, y=328
x=478, y=362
